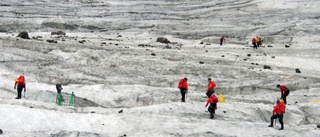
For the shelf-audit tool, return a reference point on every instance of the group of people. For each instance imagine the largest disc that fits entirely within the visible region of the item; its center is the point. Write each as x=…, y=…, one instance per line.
x=280, y=107
x=20, y=84
x=257, y=42
x=278, y=111
x=212, y=98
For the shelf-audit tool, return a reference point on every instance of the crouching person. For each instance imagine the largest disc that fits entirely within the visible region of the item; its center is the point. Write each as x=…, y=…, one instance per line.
x=212, y=100
x=278, y=112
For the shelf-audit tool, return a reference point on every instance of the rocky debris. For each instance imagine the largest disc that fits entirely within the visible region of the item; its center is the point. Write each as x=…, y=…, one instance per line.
x=167, y=47
x=248, y=55
x=273, y=57
x=1, y=132
x=145, y=45
x=201, y=62
x=286, y=46
x=269, y=46
x=23, y=35
x=318, y=126
x=298, y=70
x=266, y=67
x=120, y=111
x=153, y=54
x=82, y=41
x=201, y=42
x=51, y=41
x=58, y=33
x=163, y=40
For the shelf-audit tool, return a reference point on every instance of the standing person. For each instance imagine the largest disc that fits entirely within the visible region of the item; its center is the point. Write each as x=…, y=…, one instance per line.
x=222, y=39
x=284, y=92
x=20, y=84
x=59, y=88
x=278, y=112
x=183, y=86
x=211, y=86
x=212, y=100
x=258, y=41
x=254, y=43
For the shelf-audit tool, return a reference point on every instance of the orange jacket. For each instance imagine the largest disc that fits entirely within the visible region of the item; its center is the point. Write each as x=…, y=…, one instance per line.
x=20, y=81
x=279, y=108
x=211, y=86
x=212, y=99
x=183, y=84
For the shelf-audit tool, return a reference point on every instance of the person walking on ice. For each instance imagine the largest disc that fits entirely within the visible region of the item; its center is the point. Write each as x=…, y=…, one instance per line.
x=278, y=112
x=20, y=84
x=212, y=100
x=222, y=39
x=183, y=86
x=284, y=92
x=211, y=86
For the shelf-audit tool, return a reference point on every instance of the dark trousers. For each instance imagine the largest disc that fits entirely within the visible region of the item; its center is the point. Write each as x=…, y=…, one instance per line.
x=212, y=108
x=254, y=45
x=209, y=93
x=221, y=42
x=284, y=96
x=280, y=116
x=183, y=94
x=19, y=90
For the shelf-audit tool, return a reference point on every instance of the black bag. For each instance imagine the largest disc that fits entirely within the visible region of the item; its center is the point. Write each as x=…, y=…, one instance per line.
x=210, y=92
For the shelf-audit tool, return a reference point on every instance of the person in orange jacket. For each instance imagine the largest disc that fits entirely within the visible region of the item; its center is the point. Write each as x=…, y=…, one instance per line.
x=20, y=84
x=211, y=86
x=278, y=111
x=212, y=100
x=284, y=92
x=183, y=86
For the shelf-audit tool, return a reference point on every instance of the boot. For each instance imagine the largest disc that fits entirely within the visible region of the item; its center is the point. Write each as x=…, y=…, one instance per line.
x=281, y=127
x=18, y=97
x=270, y=126
x=211, y=116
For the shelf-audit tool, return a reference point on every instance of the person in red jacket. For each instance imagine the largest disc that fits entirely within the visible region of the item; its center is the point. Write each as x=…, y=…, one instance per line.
x=284, y=92
x=278, y=112
x=211, y=86
x=183, y=86
x=20, y=84
x=212, y=100
x=222, y=39
x=254, y=43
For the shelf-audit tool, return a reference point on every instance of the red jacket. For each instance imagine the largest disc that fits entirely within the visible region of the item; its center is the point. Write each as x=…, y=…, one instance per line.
x=183, y=84
x=20, y=81
x=279, y=108
x=254, y=40
x=211, y=86
x=283, y=89
x=222, y=38
x=212, y=99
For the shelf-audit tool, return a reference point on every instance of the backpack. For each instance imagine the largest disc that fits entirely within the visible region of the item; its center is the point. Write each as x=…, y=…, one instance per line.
x=21, y=80
x=180, y=85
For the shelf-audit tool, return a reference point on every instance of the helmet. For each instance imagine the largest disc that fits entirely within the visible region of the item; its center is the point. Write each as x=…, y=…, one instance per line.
x=278, y=85
x=186, y=79
x=209, y=78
